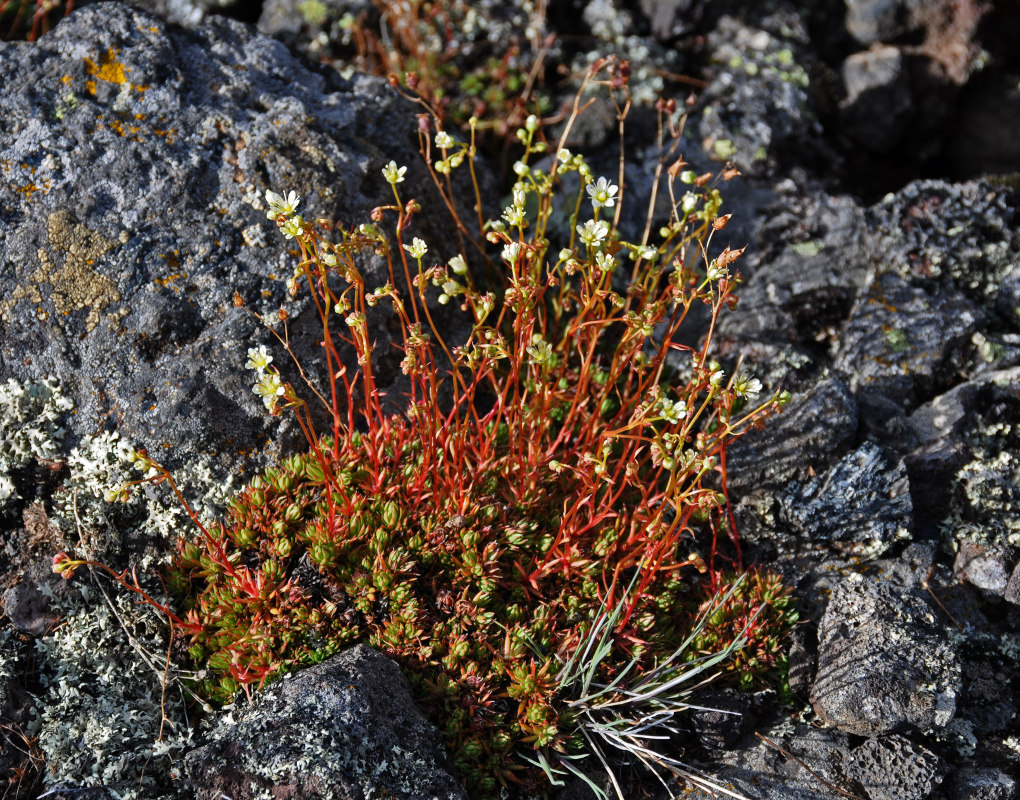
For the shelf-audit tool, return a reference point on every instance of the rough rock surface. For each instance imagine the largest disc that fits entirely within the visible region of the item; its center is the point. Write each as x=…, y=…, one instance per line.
x=762, y=108
x=920, y=338
x=135, y=157
x=797, y=762
x=816, y=430
x=884, y=664
x=342, y=730
x=864, y=498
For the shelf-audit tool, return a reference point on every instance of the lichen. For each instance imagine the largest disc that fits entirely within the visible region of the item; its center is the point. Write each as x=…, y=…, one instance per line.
x=988, y=507
x=100, y=720
x=30, y=428
x=12, y=651
x=74, y=285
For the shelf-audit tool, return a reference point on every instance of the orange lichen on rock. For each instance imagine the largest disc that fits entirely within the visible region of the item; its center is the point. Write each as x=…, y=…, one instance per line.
x=108, y=69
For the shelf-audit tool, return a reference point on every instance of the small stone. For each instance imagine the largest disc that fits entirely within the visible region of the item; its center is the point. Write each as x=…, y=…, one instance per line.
x=1012, y=592
x=884, y=663
x=347, y=728
x=877, y=107
x=894, y=768
x=975, y=783
x=984, y=566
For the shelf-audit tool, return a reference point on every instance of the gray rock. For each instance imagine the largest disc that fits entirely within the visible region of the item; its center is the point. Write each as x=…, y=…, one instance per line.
x=790, y=762
x=810, y=269
x=812, y=431
x=864, y=499
x=188, y=13
x=961, y=236
x=721, y=720
x=986, y=709
x=987, y=498
x=877, y=107
x=761, y=109
x=913, y=567
x=345, y=729
x=141, y=153
x=886, y=20
x=946, y=416
x=896, y=99
x=985, y=566
x=904, y=343
x=27, y=605
x=943, y=428
x=884, y=663
x=974, y=783
x=1012, y=592
x=894, y=768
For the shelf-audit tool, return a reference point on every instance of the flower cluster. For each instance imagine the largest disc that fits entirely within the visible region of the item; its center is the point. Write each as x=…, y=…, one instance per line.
x=268, y=385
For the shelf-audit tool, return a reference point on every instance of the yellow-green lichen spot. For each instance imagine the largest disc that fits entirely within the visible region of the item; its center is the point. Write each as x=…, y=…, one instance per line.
x=74, y=284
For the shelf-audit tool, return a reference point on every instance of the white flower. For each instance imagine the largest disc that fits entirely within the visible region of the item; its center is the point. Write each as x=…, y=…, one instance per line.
x=394, y=174
x=417, y=248
x=689, y=202
x=602, y=193
x=514, y=215
x=746, y=385
x=458, y=265
x=564, y=156
x=715, y=271
x=280, y=206
x=673, y=412
x=540, y=350
x=511, y=252
x=443, y=140
x=269, y=388
x=605, y=262
x=294, y=226
x=593, y=232
x=258, y=359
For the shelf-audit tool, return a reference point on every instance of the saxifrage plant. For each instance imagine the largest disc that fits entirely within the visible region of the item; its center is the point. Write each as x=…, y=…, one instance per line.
x=521, y=536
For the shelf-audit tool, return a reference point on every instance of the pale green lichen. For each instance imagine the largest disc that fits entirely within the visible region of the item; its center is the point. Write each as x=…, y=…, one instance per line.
x=30, y=428
x=989, y=494
x=99, y=719
x=100, y=464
